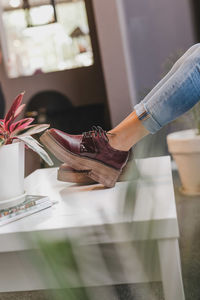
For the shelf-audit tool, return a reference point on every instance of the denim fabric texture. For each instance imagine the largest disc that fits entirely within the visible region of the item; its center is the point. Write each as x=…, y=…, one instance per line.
x=175, y=94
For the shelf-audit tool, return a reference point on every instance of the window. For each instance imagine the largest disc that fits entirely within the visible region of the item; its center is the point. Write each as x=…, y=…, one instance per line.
x=42, y=38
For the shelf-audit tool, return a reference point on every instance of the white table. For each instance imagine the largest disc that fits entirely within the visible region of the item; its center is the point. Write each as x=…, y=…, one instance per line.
x=152, y=225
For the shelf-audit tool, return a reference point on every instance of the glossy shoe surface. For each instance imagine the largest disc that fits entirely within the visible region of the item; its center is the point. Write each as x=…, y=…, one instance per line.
x=89, y=152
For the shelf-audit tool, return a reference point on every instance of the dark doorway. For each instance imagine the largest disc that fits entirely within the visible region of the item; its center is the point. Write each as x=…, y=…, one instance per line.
x=56, y=109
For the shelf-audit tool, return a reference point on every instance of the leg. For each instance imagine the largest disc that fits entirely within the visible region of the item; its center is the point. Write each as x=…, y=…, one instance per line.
x=103, y=154
x=175, y=67
x=171, y=269
x=176, y=96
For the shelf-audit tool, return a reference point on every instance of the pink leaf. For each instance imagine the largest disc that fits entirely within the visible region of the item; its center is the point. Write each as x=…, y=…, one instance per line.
x=19, y=110
x=20, y=125
x=11, y=113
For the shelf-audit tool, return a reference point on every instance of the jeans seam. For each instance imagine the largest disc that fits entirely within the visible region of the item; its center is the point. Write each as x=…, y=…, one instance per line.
x=144, y=116
x=147, y=119
x=151, y=115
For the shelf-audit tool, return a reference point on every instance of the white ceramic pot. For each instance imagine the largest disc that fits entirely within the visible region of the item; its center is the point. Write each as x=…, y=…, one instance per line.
x=11, y=171
x=185, y=149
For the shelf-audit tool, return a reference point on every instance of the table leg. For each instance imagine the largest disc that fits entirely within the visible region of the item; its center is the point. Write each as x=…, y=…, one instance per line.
x=170, y=265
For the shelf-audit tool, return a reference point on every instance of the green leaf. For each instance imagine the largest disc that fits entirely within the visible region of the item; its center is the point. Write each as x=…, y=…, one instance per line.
x=35, y=129
x=36, y=147
x=2, y=142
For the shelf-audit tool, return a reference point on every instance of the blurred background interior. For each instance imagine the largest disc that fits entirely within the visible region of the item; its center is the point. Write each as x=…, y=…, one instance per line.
x=88, y=62
x=85, y=63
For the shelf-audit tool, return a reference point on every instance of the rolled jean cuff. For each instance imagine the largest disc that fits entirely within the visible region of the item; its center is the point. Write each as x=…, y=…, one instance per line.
x=146, y=118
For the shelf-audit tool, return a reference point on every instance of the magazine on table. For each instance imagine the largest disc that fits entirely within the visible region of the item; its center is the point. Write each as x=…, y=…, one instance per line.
x=29, y=206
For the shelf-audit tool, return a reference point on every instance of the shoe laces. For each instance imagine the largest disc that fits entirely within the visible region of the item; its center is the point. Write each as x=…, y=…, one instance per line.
x=96, y=131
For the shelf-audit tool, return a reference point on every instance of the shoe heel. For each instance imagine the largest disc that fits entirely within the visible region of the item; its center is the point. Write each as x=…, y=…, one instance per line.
x=74, y=177
x=105, y=175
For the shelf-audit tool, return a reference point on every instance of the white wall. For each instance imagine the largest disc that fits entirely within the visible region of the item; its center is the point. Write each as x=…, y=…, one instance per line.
x=113, y=53
x=157, y=29
x=82, y=86
x=136, y=37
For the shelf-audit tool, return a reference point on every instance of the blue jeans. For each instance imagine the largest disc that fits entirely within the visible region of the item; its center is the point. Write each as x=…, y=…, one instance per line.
x=175, y=94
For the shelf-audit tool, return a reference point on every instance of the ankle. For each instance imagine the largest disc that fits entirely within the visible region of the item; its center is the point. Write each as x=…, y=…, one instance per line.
x=116, y=142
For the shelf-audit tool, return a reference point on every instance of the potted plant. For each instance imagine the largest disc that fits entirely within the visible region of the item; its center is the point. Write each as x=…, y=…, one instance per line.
x=14, y=136
x=185, y=148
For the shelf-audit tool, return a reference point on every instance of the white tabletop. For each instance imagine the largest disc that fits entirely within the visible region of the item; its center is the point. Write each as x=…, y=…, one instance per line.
x=83, y=207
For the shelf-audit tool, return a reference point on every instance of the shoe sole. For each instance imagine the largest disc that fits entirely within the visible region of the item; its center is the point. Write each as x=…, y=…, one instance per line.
x=74, y=176
x=97, y=171
x=66, y=174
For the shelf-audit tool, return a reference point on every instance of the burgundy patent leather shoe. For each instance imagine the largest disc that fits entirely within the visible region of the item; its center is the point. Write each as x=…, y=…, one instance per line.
x=89, y=152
